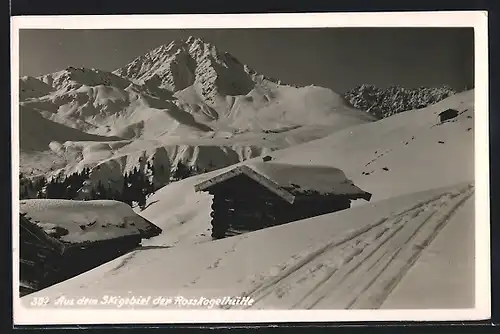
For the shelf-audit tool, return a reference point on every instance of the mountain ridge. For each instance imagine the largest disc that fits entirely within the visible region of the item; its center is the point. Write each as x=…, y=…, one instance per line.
x=185, y=101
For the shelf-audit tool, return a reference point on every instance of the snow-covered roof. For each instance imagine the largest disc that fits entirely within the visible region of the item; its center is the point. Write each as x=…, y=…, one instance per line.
x=75, y=222
x=289, y=181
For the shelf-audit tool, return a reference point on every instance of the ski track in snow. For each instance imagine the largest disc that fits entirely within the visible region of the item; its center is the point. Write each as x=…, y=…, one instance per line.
x=357, y=270
x=124, y=262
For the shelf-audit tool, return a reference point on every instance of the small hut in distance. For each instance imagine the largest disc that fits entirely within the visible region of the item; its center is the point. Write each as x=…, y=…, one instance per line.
x=447, y=115
x=264, y=194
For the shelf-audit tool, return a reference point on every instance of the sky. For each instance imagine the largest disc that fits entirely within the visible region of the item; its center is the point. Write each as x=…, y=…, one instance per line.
x=336, y=58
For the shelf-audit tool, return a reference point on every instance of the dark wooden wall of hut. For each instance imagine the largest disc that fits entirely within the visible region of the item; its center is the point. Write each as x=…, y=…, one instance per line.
x=78, y=259
x=42, y=266
x=36, y=261
x=241, y=205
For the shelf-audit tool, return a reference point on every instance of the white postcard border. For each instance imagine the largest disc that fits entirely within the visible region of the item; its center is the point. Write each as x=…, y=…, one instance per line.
x=475, y=19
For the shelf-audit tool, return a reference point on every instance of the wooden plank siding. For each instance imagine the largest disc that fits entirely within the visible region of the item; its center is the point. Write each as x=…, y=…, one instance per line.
x=41, y=267
x=241, y=205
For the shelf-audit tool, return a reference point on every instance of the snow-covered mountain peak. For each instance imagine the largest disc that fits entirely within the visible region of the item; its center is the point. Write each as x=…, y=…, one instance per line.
x=192, y=62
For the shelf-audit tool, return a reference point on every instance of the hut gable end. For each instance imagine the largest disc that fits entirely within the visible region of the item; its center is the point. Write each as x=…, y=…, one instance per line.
x=33, y=232
x=262, y=180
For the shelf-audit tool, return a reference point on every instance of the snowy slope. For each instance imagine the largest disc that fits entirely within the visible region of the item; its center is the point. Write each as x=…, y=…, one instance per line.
x=100, y=102
x=417, y=151
x=348, y=259
x=38, y=132
x=413, y=165
x=440, y=259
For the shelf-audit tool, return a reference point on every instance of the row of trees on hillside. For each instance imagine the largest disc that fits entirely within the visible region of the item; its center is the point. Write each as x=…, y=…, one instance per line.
x=137, y=185
x=385, y=102
x=56, y=187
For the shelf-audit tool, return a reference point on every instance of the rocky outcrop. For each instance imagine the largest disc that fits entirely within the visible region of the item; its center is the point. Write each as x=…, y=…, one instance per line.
x=395, y=99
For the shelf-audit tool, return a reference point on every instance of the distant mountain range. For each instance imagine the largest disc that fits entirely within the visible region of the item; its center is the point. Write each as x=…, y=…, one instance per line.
x=185, y=101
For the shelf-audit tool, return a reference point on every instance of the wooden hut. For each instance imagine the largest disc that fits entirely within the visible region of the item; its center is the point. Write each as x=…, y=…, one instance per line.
x=447, y=115
x=252, y=197
x=60, y=239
